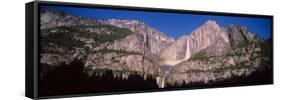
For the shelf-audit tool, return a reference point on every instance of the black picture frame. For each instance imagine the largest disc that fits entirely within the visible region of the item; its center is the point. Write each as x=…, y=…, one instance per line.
x=33, y=46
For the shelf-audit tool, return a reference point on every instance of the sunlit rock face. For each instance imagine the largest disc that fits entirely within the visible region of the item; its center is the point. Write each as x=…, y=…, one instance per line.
x=155, y=40
x=217, y=54
x=205, y=36
x=124, y=46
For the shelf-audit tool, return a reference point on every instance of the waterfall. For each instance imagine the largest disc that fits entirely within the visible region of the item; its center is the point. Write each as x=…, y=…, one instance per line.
x=187, y=52
x=163, y=83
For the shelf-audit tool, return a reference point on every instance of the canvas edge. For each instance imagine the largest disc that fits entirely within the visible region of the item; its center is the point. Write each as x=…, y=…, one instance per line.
x=36, y=46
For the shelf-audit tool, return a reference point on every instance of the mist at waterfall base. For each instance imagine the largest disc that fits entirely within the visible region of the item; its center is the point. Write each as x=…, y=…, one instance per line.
x=71, y=79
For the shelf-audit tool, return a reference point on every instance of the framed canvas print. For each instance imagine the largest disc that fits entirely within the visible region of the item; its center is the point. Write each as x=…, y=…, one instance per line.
x=75, y=49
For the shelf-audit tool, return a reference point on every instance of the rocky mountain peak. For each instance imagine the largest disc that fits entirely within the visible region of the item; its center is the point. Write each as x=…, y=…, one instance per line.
x=235, y=29
x=53, y=12
x=239, y=34
x=209, y=25
x=125, y=21
x=155, y=40
x=55, y=18
x=211, y=22
x=208, y=35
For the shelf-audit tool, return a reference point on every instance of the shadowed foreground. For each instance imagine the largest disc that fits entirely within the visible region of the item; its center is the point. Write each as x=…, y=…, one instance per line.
x=68, y=80
x=71, y=79
x=257, y=77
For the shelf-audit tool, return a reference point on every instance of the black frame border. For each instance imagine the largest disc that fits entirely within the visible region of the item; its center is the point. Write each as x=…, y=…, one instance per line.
x=36, y=44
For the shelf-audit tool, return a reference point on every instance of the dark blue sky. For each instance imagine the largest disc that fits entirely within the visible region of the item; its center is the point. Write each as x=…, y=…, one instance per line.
x=172, y=24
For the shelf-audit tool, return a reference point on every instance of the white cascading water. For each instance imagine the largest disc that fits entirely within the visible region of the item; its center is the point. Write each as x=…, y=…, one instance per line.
x=187, y=55
x=187, y=52
x=163, y=83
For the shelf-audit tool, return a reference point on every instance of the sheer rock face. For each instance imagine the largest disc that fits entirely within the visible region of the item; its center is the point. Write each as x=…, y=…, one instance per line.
x=217, y=54
x=208, y=35
x=238, y=35
x=154, y=40
x=129, y=62
x=133, y=53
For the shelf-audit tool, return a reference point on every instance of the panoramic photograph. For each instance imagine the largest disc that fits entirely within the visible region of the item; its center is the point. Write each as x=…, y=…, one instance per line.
x=95, y=50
